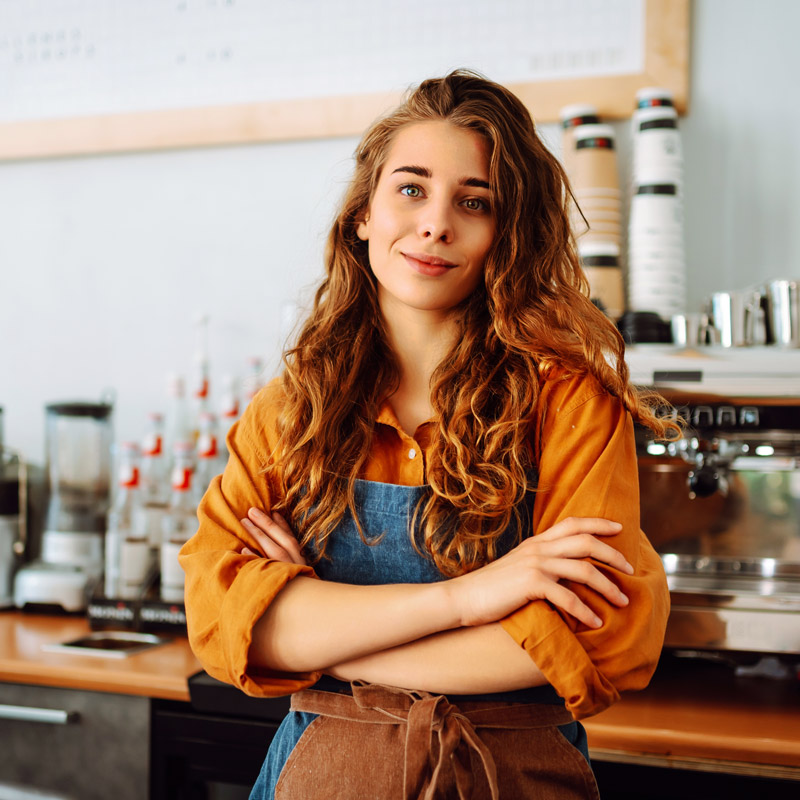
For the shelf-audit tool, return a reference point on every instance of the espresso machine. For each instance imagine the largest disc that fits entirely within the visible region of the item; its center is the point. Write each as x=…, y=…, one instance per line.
x=721, y=505
x=78, y=448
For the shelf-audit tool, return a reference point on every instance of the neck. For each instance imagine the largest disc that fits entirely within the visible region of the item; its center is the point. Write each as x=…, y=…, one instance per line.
x=419, y=340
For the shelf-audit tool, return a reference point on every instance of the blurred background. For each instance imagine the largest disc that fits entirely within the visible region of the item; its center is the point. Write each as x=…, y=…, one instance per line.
x=107, y=261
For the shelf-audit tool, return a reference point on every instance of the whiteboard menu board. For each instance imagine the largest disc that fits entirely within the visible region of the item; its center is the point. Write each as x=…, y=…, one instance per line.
x=108, y=75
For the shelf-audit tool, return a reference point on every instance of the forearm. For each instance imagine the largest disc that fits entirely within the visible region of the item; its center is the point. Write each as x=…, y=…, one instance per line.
x=312, y=624
x=462, y=661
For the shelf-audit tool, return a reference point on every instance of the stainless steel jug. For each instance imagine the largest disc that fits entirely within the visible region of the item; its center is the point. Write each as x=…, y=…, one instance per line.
x=734, y=316
x=783, y=312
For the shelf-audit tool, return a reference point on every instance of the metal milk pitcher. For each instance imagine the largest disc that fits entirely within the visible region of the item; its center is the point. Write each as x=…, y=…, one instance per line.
x=734, y=316
x=783, y=312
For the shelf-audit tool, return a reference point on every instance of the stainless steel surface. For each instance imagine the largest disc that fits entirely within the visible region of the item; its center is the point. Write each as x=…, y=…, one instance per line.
x=730, y=543
x=108, y=644
x=783, y=312
x=734, y=316
x=739, y=629
x=731, y=569
x=51, y=716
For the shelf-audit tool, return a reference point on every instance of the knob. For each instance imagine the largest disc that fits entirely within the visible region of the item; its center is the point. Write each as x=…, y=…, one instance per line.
x=726, y=417
x=703, y=417
x=703, y=481
x=749, y=416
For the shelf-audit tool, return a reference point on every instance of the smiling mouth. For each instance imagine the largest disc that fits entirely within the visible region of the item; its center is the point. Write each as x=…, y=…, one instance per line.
x=429, y=261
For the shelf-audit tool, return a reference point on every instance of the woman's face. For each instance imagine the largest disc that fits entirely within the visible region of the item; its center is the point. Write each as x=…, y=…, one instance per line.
x=430, y=222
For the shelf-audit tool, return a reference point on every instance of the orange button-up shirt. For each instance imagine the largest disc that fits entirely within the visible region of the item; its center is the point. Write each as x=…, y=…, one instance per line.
x=587, y=467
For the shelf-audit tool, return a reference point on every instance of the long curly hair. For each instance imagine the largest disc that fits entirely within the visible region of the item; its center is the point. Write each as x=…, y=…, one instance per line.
x=531, y=312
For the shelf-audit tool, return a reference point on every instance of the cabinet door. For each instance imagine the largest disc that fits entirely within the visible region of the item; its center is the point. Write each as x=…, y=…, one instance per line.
x=97, y=749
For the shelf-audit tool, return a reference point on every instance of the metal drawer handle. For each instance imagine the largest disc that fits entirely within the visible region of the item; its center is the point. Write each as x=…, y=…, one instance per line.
x=54, y=716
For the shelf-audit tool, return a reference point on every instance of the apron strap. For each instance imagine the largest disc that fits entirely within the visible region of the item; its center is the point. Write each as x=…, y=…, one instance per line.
x=424, y=714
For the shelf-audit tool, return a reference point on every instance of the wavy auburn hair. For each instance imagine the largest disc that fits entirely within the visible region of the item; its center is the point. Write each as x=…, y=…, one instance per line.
x=531, y=312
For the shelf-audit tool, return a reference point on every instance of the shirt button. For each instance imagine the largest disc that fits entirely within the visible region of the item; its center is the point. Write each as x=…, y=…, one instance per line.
x=412, y=453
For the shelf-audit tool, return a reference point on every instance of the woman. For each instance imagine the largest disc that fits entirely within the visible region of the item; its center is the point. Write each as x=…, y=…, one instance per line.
x=450, y=449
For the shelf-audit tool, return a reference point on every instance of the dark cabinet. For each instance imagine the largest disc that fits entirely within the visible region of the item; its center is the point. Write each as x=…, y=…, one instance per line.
x=212, y=747
x=83, y=745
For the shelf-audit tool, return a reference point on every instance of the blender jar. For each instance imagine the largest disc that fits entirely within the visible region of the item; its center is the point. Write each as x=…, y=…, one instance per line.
x=78, y=442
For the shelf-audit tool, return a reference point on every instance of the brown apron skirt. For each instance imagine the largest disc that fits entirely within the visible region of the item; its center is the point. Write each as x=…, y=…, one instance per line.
x=382, y=742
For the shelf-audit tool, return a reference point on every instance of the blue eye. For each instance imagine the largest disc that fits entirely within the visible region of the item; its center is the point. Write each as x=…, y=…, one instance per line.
x=410, y=190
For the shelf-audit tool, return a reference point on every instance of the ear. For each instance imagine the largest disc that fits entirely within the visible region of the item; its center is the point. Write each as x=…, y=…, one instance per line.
x=362, y=231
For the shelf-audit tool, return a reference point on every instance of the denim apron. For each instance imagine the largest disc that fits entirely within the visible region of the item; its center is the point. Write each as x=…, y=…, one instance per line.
x=385, y=512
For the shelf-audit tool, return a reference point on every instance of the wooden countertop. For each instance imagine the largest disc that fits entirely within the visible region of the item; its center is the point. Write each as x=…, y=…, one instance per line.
x=693, y=714
x=700, y=715
x=160, y=671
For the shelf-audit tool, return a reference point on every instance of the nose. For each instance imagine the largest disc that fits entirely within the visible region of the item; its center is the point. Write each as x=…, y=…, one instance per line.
x=436, y=221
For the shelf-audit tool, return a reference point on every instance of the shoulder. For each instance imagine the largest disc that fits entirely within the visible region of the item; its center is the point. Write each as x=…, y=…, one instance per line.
x=563, y=391
x=576, y=412
x=270, y=399
x=259, y=422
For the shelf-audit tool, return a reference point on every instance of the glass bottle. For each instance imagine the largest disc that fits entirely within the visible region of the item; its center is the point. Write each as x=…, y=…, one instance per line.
x=209, y=461
x=179, y=523
x=154, y=477
x=155, y=480
x=127, y=549
x=228, y=406
x=178, y=424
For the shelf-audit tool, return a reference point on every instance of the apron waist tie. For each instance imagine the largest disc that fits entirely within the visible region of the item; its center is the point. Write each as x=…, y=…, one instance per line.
x=424, y=714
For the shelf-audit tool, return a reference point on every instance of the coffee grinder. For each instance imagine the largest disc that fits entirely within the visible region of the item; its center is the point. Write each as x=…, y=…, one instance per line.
x=13, y=488
x=78, y=442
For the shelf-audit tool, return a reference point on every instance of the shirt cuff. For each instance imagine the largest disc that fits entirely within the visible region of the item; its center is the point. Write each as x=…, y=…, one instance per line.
x=541, y=632
x=245, y=603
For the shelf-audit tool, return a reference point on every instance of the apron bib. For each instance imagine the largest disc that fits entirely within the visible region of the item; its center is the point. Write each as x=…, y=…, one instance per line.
x=357, y=741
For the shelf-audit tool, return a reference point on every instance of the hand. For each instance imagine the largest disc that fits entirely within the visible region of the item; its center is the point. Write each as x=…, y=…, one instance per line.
x=274, y=537
x=534, y=569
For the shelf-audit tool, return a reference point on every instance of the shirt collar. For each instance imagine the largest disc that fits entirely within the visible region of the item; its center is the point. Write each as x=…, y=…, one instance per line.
x=386, y=416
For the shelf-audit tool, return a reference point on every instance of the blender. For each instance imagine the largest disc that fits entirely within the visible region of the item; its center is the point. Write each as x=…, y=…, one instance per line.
x=78, y=444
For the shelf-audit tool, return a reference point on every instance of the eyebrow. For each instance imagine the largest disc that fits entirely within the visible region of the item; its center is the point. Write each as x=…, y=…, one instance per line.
x=424, y=172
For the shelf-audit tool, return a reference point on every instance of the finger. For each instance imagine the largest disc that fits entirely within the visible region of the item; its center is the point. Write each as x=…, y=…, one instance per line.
x=269, y=546
x=570, y=526
x=281, y=521
x=276, y=543
x=587, y=574
x=276, y=528
x=563, y=598
x=246, y=551
x=587, y=546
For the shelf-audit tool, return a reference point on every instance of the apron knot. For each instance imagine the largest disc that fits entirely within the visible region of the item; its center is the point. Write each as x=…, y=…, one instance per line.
x=426, y=755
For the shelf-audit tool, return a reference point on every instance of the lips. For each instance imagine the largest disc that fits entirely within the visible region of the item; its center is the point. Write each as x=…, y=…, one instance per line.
x=427, y=264
x=433, y=261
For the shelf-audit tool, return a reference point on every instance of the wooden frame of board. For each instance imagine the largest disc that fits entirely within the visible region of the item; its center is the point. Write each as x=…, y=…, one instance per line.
x=666, y=66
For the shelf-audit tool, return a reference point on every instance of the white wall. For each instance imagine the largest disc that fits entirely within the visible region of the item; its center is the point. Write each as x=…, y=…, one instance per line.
x=105, y=261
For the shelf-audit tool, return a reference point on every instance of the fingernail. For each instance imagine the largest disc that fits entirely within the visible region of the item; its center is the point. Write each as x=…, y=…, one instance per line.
x=617, y=525
x=597, y=622
x=629, y=568
x=246, y=523
x=623, y=599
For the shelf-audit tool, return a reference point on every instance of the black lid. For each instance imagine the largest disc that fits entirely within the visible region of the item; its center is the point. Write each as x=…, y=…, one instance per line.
x=644, y=326
x=80, y=409
x=9, y=496
x=657, y=188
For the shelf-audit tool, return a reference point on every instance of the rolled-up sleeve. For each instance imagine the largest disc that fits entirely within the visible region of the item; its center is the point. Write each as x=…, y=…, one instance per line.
x=587, y=468
x=226, y=592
